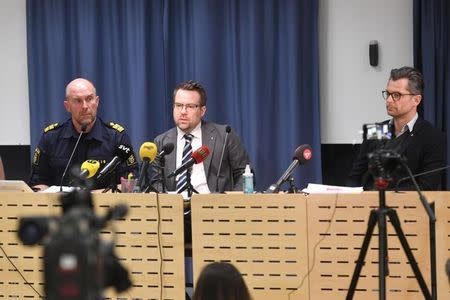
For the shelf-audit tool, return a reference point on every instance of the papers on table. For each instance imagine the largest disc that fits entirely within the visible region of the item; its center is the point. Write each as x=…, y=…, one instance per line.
x=314, y=188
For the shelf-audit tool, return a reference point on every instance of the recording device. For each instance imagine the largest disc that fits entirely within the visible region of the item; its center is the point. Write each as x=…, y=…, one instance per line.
x=302, y=155
x=83, y=129
x=377, y=131
x=147, y=152
x=78, y=265
x=122, y=153
x=197, y=157
x=89, y=168
x=227, y=132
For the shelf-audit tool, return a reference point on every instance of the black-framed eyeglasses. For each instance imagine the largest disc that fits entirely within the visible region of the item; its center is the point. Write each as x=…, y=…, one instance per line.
x=189, y=107
x=395, y=95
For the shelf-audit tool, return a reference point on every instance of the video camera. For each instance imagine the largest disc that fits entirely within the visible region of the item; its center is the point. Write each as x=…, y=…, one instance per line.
x=77, y=263
x=383, y=161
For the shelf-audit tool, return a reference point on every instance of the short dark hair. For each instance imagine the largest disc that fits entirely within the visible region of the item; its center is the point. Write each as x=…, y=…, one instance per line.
x=415, y=78
x=192, y=85
x=220, y=281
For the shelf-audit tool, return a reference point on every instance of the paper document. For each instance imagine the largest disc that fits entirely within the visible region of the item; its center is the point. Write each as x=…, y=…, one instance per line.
x=57, y=189
x=314, y=188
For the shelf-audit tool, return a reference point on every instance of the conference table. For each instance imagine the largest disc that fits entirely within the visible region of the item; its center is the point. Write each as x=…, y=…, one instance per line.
x=286, y=246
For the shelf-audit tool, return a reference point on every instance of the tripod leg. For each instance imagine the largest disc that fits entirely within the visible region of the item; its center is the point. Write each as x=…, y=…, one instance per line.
x=382, y=253
x=398, y=229
x=362, y=254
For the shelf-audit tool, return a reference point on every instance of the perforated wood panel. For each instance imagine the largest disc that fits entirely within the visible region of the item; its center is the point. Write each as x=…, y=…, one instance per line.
x=138, y=238
x=442, y=208
x=336, y=255
x=264, y=236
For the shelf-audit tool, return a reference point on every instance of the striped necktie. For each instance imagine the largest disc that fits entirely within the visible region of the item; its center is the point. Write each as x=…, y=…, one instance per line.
x=187, y=152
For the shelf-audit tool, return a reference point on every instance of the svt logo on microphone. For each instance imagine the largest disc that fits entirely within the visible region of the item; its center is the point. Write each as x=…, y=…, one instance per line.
x=124, y=148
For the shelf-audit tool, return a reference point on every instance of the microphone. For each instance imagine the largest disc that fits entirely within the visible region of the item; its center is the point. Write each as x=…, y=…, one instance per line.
x=302, y=155
x=122, y=152
x=147, y=152
x=227, y=131
x=89, y=168
x=83, y=129
x=197, y=157
x=166, y=149
x=421, y=174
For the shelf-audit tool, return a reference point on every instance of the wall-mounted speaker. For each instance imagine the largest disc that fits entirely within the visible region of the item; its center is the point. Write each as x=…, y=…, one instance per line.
x=373, y=53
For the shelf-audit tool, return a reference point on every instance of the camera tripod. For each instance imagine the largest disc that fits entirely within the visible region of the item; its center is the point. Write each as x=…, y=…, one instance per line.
x=378, y=216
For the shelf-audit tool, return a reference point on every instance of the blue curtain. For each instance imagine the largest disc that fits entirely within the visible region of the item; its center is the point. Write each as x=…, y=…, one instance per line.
x=431, y=56
x=258, y=61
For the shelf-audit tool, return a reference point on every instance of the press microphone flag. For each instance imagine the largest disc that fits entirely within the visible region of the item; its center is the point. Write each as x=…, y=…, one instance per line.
x=302, y=155
x=89, y=168
x=197, y=157
x=122, y=153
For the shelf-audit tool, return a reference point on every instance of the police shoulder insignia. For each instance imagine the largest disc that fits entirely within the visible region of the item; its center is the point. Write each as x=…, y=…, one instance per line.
x=51, y=127
x=36, y=156
x=131, y=161
x=116, y=126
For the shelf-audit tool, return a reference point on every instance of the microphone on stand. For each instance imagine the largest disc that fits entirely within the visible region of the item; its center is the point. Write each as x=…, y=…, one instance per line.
x=227, y=131
x=421, y=174
x=83, y=129
x=122, y=152
x=147, y=152
x=302, y=155
x=166, y=149
x=160, y=164
x=197, y=157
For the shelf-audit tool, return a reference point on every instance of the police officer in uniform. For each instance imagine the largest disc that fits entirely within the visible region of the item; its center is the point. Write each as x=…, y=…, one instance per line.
x=98, y=142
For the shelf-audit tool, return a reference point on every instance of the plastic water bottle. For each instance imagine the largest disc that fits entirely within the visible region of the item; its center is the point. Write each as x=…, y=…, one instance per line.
x=248, y=180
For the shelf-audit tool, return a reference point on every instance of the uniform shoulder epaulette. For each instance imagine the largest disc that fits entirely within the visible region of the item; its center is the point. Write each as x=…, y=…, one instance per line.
x=116, y=126
x=51, y=127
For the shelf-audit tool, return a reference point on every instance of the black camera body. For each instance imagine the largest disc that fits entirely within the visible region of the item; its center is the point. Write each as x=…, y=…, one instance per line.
x=77, y=263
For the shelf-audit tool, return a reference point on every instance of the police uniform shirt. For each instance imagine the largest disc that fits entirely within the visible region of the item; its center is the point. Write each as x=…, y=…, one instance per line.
x=58, y=141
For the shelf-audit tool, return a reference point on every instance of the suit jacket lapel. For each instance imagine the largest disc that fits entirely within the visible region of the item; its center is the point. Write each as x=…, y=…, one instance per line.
x=209, y=136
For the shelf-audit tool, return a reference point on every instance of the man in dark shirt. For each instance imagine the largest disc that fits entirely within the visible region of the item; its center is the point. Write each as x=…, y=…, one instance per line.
x=416, y=140
x=99, y=141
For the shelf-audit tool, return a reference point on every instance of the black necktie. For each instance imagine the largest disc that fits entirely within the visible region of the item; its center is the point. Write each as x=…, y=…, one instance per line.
x=187, y=152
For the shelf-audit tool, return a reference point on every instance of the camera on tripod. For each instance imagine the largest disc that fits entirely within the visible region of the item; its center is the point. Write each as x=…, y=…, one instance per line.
x=383, y=161
x=77, y=263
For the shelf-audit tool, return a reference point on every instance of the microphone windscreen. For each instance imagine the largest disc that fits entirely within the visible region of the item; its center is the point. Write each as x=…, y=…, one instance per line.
x=168, y=148
x=148, y=151
x=303, y=153
x=91, y=166
x=228, y=129
x=200, y=154
x=123, y=152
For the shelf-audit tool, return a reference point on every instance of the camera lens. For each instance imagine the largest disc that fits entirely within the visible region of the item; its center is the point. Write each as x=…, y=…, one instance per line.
x=32, y=229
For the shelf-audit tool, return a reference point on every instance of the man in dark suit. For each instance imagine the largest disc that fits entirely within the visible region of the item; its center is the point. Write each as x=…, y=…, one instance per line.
x=416, y=140
x=189, y=107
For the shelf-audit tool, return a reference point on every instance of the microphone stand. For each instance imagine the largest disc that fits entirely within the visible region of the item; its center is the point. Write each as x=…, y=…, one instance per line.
x=112, y=183
x=83, y=129
x=190, y=190
x=227, y=130
x=162, y=164
x=292, y=187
